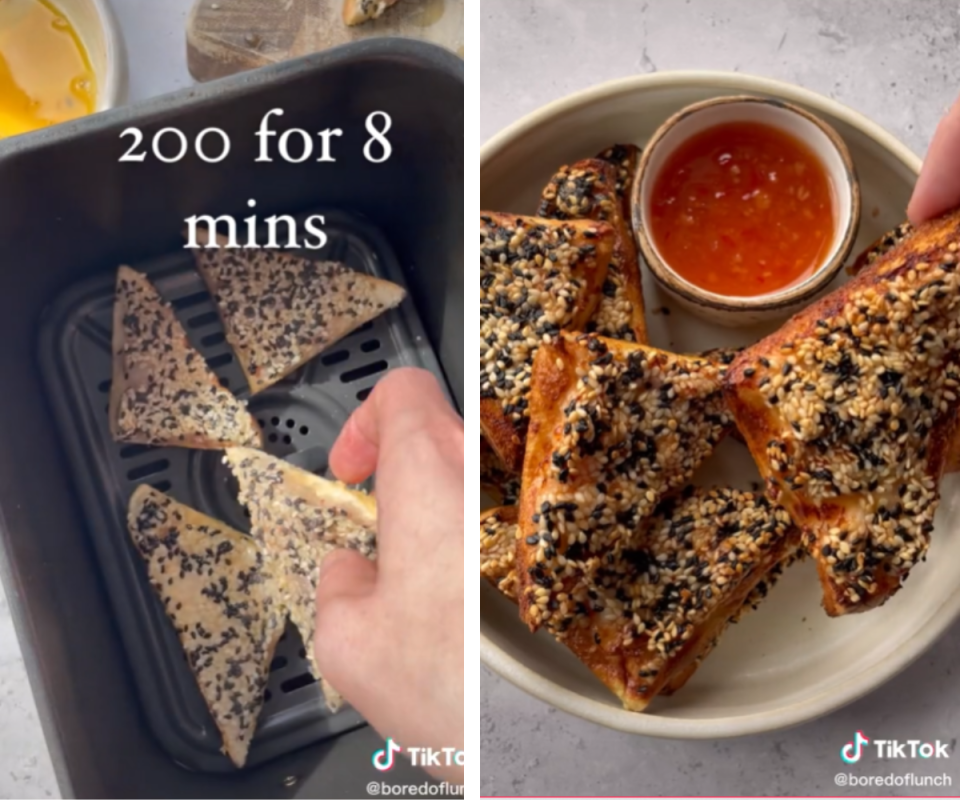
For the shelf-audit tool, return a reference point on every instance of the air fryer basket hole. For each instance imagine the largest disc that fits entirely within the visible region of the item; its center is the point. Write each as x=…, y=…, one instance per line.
x=191, y=300
x=304, y=430
x=292, y=684
x=336, y=357
x=201, y=320
x=290, y=423
x=279, y=662
x=133, y=450
x=213, y=339
x=364, y=372
x=104, y=386
x=153, y=468
x=370, y=345
x=363, y=394
x=287, y=439
x=362, y=329
x=162, y=486
x=220, y=360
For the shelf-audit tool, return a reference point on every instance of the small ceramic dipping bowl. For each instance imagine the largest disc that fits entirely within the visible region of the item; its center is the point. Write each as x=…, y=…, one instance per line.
x=825, y=145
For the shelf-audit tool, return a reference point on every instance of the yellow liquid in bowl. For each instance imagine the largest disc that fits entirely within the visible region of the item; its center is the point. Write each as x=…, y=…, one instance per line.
x=45, y=74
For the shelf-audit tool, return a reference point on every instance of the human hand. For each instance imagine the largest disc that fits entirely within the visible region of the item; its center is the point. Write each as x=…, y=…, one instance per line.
x=390, y=635
x=938, y=187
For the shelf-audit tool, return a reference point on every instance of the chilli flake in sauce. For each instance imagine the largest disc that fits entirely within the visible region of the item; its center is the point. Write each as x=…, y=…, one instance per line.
x=742, y=209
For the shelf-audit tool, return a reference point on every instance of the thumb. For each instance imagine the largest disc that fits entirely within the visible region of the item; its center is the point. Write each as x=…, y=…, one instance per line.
x=344, y=574
x=346, y=577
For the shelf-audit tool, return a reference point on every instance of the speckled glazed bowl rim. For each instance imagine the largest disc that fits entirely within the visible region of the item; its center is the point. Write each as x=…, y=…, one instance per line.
x=823, y=702
x=785, y=298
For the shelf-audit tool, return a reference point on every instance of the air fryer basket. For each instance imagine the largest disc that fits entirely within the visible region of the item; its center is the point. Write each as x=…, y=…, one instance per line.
x=300, y=417
x=69, y=214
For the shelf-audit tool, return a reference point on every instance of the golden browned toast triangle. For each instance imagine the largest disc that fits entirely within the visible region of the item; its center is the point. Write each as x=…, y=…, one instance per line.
x=614, y=428
x=588, y=190
x=502, y=486
x=849, y=411
x=625, y=158
x=881, y=246
x=498, y=549
x=887, y=242
x=537, y=277
x=645, y=617
x=222, y=602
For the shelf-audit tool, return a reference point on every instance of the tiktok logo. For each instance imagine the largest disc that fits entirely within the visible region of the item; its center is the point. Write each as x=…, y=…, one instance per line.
x=852, y=751
x=383, y=759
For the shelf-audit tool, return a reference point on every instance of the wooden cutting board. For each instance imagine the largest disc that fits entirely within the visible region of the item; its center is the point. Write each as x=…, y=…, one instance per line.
x=228, y=36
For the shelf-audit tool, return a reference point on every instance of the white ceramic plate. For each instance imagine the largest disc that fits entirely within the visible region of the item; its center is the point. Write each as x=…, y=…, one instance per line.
x=787, y=662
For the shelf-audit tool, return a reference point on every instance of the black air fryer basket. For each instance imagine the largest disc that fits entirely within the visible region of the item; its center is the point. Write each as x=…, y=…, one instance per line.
x=121, y=712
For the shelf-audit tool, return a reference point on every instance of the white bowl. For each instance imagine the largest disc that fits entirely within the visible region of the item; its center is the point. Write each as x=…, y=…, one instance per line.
x=787, y=662
x=822, y=140
x=97, y=28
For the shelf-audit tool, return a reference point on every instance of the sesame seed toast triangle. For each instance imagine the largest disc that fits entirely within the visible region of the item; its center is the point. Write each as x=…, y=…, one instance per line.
x=850, y=410
x=588, y=190
x=502, y=486
x=279, y=310
x=224, y=607
x=614, y=428
x=162, y=391
x=537, y=276
x=498, y=549
x=625, y=158
x=644, y=618
x=358, y=11
x=299, y=518
x=881, y=246
x=871, y=253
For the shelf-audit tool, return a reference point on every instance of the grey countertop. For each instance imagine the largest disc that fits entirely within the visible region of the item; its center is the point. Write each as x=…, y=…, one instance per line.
x=897, y=63
x=154, y=35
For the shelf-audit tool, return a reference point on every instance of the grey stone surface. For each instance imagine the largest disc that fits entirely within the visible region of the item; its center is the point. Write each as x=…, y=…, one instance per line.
x=894, y=61
x=154, y=35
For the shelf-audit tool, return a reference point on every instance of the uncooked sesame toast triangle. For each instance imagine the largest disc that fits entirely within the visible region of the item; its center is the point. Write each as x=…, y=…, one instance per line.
x=299, y=518
x=163, y=392
x=614, y=428
x=850, y=409
x=643, y=616
x=223, y=605
x=537, y=277
x=588, y=190
x=280, y=310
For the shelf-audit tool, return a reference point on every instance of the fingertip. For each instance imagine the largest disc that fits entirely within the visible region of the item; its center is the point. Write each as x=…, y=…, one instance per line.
x=353, y=458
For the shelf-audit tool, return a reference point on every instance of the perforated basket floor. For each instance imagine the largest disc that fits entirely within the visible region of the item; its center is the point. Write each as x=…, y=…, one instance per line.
x=301, y=418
